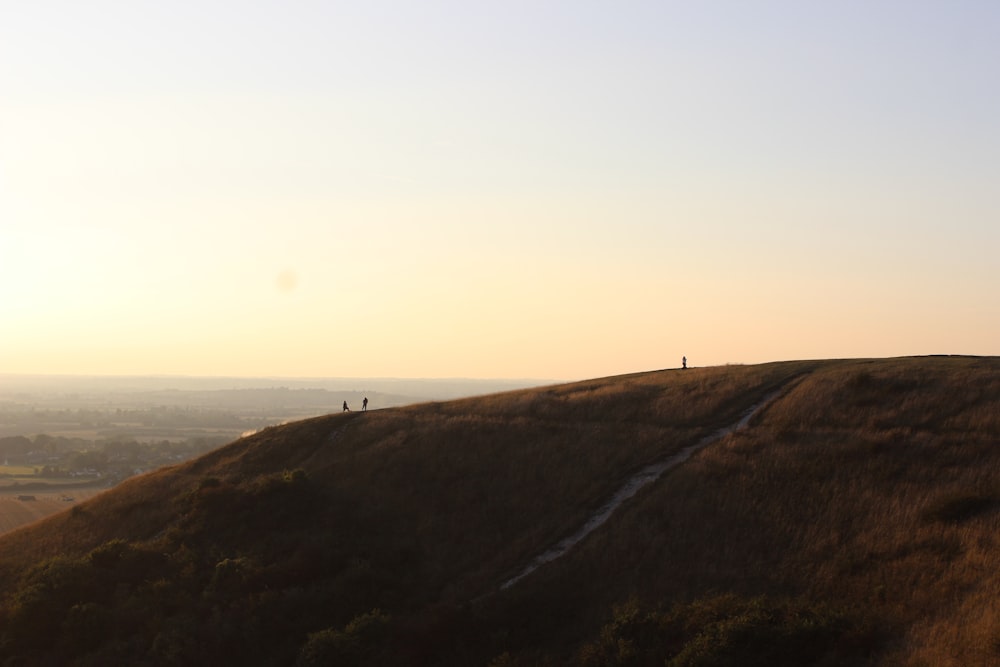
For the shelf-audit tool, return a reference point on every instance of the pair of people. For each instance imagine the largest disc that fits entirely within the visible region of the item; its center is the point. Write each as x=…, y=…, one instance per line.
x=364, y=405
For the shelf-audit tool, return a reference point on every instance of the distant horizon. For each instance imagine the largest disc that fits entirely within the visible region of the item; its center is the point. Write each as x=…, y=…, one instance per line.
x=12, y=385
x=455, y=378
x=271, y=377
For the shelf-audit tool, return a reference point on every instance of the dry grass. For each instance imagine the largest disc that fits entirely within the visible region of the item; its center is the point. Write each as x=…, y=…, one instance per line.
x=873, y=486
x=16, y=513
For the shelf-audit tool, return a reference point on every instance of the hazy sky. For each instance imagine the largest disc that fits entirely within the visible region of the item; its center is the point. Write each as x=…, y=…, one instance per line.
x=494, y=189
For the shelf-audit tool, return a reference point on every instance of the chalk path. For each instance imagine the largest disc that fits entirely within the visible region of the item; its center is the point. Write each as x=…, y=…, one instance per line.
x=648, y=474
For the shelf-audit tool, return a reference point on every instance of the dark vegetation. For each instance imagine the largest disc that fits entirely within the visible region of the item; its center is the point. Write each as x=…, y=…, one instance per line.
x=855, y=522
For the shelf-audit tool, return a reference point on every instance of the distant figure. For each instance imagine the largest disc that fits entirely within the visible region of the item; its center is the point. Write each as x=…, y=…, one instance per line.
x=346, y=409
x=684, y=364
x=364, y=405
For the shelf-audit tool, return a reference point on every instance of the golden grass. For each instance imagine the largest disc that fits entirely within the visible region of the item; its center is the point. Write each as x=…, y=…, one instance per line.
x=875, y=485
x=16, y=513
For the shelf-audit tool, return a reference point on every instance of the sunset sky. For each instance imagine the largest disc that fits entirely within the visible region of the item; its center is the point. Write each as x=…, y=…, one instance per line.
x=512, y=189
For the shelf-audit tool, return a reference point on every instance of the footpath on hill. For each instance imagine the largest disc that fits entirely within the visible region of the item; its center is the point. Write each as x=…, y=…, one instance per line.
x=645, y=476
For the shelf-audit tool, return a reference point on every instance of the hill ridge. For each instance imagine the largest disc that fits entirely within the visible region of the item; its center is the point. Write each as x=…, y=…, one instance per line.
x=855, y=521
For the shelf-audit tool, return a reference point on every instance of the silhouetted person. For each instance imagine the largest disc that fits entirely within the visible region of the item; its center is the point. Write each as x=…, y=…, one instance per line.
x=346, y=409
x=684, y=364
x=364, y=405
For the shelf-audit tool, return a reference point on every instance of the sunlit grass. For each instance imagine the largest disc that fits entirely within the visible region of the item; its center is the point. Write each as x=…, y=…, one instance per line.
x=871, y=485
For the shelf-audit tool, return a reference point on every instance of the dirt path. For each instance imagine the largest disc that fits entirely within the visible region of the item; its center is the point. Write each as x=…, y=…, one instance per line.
x=648, y=474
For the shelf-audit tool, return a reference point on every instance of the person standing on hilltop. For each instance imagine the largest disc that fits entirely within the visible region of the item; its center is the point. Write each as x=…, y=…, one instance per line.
x=684, y=363
x=346, y=409
x=364, y=405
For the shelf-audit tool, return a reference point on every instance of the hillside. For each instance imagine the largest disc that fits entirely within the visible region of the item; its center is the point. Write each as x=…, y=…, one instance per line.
x=854, y=521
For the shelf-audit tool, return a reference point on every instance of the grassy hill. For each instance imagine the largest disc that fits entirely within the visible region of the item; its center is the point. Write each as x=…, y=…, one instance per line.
x=855, y=521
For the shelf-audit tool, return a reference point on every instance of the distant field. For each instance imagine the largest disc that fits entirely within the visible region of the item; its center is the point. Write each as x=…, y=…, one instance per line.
x=15, y=471
x=27, y=480
x=16, y=485
x=15, y=513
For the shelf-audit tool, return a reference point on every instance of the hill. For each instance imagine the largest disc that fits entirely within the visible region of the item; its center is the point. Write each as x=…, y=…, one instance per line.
x=854, y=521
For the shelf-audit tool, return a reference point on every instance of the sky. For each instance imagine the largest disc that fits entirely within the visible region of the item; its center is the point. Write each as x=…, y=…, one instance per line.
x=543, y=189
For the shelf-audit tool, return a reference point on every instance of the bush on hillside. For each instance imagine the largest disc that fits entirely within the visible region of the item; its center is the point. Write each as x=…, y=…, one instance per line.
x=729, y=631
x=355, y=644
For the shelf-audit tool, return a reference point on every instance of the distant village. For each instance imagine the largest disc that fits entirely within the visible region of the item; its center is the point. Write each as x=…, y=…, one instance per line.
x=107, y=462
x=105, y=446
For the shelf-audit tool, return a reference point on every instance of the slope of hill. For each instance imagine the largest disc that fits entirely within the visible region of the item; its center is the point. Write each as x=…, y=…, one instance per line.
x=853, y=522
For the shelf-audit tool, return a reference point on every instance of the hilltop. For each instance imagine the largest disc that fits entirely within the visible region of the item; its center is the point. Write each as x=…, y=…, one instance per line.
x=853, y=521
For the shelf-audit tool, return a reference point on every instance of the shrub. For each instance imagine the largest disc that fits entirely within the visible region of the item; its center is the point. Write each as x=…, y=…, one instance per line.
x=731, y=631
x=39, y=607
x=209, y=483
x=354, y=645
